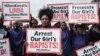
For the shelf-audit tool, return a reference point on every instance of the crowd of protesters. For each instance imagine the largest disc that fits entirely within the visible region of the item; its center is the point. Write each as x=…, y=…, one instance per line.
x=74, y=36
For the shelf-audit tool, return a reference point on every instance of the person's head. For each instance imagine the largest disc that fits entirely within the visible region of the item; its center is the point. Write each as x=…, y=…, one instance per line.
x=21, y=25
x=57, y=25
x=80, y=29
x=1, y=21
x=99, y=15
x=63, y=26
x=45, y=15
x=16, y=25
x=33, y=23
x=7, y=28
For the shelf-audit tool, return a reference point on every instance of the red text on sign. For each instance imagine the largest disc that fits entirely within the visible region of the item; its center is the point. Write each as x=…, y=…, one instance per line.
x=43, y=44
x=2, y=51
x=83, y=16
x=16, y=10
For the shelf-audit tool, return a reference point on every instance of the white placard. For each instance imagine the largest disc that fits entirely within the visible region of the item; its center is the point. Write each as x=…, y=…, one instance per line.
x=83, y=13
x=60, y=11
x=90, y=50
x=16, y=10
x=4, y=47
x=44, y=40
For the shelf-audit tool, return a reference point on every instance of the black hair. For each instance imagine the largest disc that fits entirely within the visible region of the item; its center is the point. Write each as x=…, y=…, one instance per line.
x=66, y=27
x=57, y=25
x=1, y=21
x=17, y=23
x=30, y=23
x=83, y=26
x=48, y=12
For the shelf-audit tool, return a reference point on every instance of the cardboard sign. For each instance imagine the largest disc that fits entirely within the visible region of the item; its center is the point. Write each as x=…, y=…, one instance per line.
x=83, y=13
x=44, y=40
x=4, y=47
x=90, y=50
x=16, y=10
x=60, y=11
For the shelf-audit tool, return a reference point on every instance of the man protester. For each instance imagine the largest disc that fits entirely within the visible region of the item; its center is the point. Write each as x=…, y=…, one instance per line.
x=17, y=38
x=2, y=28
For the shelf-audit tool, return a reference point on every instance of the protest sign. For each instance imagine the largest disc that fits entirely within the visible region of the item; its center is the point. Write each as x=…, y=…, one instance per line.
x=42, y=40
x=83, y=13
x=0, y=8
x=93, y=50
x=60, y=11
x=16, y=10
x=0, y=11
x=4, y=47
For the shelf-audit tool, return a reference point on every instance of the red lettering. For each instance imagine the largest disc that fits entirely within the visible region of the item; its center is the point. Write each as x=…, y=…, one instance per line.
x=43, y=45
x=46, y=45
x=83, y=16
x=98, y=54
x=40, y=44
x=16, y=10
x=93, y=16
x=60, y=16
x=55, y=45
x=2, y=51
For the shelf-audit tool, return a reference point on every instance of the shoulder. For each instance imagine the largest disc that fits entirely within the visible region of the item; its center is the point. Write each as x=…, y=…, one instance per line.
x=10, y=31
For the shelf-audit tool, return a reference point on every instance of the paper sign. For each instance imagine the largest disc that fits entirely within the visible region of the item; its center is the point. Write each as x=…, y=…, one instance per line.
x=60, y=12
x=83, y=13
x=44, y=40
x=16, y=10
x=90, y=50
x=4, y=47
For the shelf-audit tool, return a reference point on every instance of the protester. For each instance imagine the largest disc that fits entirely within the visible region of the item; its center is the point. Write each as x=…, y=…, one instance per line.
x=66, y=43
x=17, y=37
x=2, y=28
x=45, y=16
x=79, y=38
x=33, y=23
x=57, y=25
x=95, y=31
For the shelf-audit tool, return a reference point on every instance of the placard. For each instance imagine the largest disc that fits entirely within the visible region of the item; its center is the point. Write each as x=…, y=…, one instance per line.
x=83, y=13
x=91, y=50
x=16, y=10
x=4, y=47
x=42, y=40
x=60, y=12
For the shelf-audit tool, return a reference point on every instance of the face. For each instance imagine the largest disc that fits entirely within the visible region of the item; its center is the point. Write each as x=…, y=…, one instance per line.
x=0, y=25
x=63, y=26
x=81, y=31
x=45, y=20
x=16, y=25
x=57, y=25
x=34, y=24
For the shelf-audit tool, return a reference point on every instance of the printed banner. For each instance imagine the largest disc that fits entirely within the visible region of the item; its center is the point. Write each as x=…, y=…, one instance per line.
x=16, y=10
x=90, y=50
x=83, y=13
x=60, y=12
x=4, y=47
x=44, y=40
